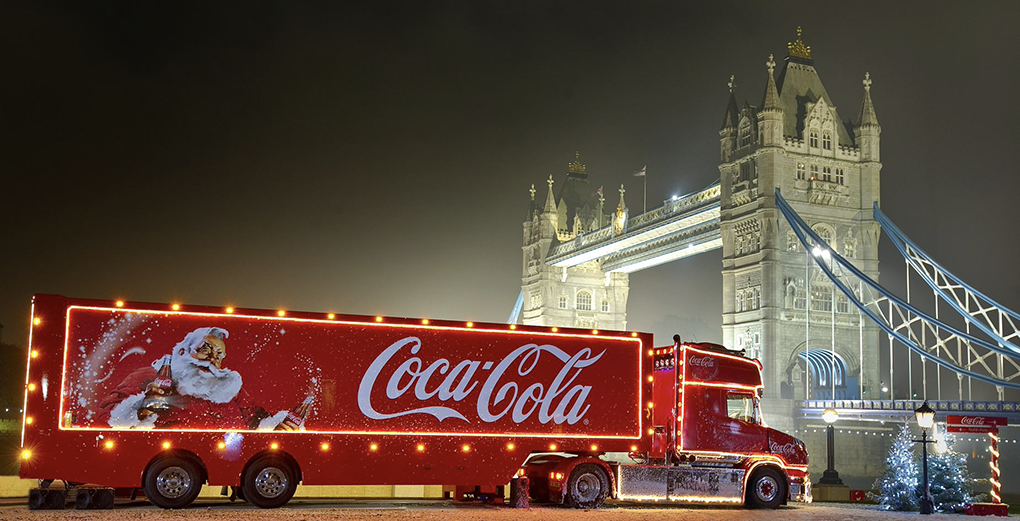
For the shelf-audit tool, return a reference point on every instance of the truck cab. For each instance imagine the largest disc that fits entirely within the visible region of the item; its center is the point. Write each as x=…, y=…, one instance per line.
x=709, y=436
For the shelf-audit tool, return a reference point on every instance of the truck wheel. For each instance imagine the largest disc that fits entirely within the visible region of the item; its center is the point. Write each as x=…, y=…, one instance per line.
x=765, y=489
x=587, y=487
x=172, y=482
x=269, y=482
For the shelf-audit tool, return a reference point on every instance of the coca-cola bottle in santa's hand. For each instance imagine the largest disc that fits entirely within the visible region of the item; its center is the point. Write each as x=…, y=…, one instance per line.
x=157, y=392
x=295, y=419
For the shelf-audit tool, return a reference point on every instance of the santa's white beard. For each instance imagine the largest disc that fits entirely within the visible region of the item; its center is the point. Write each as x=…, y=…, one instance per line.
x=217, y=385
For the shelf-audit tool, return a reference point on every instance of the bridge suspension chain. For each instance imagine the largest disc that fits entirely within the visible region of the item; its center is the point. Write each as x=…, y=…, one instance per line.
x=930, y=338
x=995, y=320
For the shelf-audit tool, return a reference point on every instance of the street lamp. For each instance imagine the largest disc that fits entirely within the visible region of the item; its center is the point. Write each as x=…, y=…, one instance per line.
x=925, y=420
x=830, y=476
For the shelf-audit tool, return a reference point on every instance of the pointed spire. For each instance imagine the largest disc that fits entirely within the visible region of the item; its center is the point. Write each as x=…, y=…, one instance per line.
x=730, y=118
x=550, y=200
x=532, y=208
x=867, y=116
x=620, y=207
x=771, y=101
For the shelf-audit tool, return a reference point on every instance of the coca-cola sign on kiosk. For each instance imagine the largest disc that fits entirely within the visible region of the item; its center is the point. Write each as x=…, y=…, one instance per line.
x=237, y=373
x=974, y=424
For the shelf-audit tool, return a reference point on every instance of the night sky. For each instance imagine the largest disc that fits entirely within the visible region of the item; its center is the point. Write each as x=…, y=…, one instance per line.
x=375, y=157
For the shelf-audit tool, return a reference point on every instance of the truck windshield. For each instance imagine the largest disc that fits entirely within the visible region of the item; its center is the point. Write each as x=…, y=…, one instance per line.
x=741, y=407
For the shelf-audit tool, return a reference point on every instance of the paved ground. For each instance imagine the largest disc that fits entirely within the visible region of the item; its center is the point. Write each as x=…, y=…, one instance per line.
x=313, y=510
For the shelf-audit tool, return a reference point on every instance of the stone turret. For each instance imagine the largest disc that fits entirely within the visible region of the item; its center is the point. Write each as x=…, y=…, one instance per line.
x=728, y=132
x=867, y=130
x=770, y=118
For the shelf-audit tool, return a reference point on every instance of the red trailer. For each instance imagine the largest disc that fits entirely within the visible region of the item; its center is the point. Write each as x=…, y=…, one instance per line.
x=167, y=398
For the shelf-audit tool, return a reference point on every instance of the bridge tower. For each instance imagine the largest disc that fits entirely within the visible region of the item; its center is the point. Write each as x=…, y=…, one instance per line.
x=582, y=296
x=828, y=169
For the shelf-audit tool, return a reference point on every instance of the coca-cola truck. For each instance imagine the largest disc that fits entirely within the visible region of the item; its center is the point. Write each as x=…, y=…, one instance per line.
x=165, y=398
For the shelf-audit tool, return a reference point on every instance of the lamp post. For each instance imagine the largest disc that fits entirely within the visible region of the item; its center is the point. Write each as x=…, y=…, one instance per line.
x=830, y=476
x=925, y=420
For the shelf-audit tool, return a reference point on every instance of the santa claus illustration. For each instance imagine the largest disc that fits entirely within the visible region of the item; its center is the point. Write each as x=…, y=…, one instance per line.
x=191, y=388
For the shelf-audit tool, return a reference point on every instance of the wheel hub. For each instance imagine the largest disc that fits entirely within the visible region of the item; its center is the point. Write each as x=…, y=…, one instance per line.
x=271, y=482
x=587, y=487
x=766, y=488
x=173, y=482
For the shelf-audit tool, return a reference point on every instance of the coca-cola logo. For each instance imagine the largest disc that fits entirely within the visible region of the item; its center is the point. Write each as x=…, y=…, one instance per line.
x=789, y=448
x=558, y=401
x=972, y=420
x=702, y=361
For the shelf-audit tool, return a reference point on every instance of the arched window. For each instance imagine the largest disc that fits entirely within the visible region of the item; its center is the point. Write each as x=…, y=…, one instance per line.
x=584, y=300
x=827, y=140
x=825, y=233
x=563, y=302
x=813, y=141
x=745, y=134
x=605, y=305
x=801, y=171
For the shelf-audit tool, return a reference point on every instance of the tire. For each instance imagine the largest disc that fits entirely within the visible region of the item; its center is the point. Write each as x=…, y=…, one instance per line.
x=172, y=482
x=765, y=489
x=269, y=482
x=587, y=486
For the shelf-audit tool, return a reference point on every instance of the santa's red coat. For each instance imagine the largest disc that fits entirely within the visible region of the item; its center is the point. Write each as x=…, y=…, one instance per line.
x=188, y=412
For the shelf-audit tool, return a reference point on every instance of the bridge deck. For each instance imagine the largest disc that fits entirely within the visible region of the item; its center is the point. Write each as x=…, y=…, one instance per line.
x=679, y=228
x=897, y=410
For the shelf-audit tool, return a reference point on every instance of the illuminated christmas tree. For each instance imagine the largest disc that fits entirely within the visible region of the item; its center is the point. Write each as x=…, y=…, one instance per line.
x=898, y=488
x=950, y=481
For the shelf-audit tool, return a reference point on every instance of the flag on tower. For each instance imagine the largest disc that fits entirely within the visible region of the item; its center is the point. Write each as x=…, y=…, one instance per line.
x=641, y=173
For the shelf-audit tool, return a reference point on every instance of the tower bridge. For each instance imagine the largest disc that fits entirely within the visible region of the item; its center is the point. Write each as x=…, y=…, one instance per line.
x=796, y=215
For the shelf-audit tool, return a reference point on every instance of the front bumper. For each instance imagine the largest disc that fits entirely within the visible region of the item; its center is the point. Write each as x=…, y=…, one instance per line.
x=800, y=489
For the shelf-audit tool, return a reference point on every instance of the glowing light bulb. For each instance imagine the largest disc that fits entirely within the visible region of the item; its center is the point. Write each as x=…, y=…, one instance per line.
x=166, y=445
x=650, y=378
x=281, y=313
x=594, y=447
x=35, y=354
x=26, y=454
x=510, y=446
x=373, y=447
x=594, y=331
x=513, y=326
x=109, y=444
x=221, y=445
x=378, y=319
x=421, y=447
x=633, y=448
x=230, y=310
x=28, y=421
x=324, y=446
x=119, y=303
x=650, y=352
x=465, y=448
x=37, y=321
x=470, y=324
x=31, y=387
x=555, y=329
x=331, y=316
x=552, y=446
x=274, y=445
x=425, y=321
x=651, y=404
x=634, y=333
